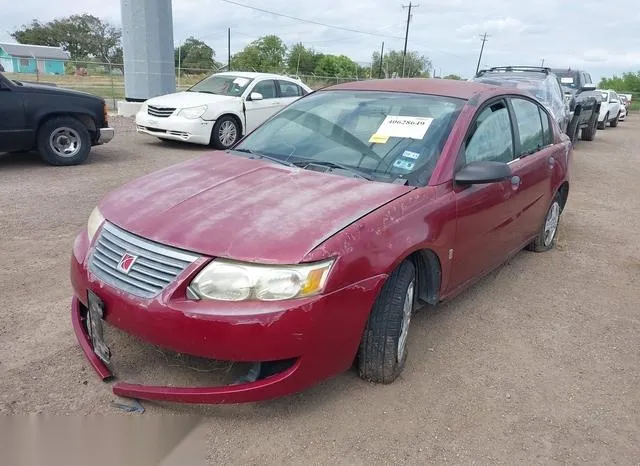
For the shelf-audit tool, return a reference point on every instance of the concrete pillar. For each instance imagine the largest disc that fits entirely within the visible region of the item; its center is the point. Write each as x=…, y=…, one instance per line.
x=147, y=42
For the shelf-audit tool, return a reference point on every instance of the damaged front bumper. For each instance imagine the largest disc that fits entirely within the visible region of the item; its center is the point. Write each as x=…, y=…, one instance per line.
x=315, y=338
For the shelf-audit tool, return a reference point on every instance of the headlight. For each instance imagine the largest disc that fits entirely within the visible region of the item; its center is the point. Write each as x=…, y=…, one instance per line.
x=193, y=112
x=95, y=222
x=236, y=281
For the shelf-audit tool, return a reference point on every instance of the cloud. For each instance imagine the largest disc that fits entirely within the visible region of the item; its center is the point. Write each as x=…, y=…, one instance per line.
x=507, y=24
x=446, y=32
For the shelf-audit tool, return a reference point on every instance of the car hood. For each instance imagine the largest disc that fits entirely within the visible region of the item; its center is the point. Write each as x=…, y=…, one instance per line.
x=189, y=99
x=223, y=205
x=53, y=89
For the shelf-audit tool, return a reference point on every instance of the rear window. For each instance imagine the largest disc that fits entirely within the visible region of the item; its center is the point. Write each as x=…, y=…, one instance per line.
x=568, y=78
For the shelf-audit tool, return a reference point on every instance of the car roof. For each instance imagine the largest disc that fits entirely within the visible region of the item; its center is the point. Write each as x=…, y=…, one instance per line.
x=443, y=87
x=517, y=74
x=253, y=75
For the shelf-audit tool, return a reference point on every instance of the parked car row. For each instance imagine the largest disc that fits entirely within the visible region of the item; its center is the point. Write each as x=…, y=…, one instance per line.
x=570, y=95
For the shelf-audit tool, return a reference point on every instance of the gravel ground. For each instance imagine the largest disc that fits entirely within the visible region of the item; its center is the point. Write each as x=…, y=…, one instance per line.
x=538, y=363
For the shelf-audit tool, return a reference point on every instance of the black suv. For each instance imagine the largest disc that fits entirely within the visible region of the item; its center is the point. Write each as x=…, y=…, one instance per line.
x=60, y=123
x=583, y=99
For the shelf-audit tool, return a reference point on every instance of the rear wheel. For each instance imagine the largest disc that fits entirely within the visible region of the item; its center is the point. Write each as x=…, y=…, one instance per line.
x=383, y=349
x=63, y=141
x=548, y=234
x=614, y=122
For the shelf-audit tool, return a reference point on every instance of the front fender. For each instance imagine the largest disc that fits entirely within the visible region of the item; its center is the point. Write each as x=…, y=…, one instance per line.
x=234, y=108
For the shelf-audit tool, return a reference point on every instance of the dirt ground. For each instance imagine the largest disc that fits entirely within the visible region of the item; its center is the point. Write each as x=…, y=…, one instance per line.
x=538, y=363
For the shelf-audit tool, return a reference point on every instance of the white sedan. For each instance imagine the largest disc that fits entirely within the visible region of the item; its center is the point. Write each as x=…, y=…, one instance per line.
x=220, y=109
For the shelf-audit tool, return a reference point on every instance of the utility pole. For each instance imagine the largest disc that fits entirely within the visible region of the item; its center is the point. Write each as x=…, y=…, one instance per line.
x=484, y=39
x=381, y=60
x=406, y=35
x=229, y=49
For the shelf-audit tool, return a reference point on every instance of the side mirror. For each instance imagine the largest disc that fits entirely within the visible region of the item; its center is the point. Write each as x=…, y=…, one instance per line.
x=256, y=96
x=483, y=173
x=588, y=87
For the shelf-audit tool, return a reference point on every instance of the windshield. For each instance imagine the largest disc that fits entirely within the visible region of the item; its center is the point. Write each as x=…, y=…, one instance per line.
x=385, y=135
x=567, y=78
x=222, y=85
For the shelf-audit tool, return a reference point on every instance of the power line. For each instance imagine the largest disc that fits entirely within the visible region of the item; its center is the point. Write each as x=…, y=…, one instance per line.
x=317, y=23
x=484, y=39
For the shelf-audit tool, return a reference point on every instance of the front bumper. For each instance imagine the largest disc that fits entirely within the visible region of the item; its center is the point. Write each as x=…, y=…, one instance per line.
x=321, y=334
x=106, y=135
x=176, y=128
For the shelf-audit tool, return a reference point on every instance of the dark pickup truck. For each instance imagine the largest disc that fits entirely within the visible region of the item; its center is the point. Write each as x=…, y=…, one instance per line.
x=584, y=102
x=60, y=124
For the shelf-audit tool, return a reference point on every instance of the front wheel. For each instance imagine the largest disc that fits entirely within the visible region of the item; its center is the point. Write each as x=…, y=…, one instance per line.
x=589, y=132
x=614, y=122
x=383, y=349
x=225, y=133
x=548, y=234
x=63, y=141
x=603, y=123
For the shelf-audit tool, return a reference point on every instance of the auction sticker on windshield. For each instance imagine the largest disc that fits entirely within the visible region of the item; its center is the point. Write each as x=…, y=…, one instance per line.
x=566, y=80
x=240, y=81
x=402, y=127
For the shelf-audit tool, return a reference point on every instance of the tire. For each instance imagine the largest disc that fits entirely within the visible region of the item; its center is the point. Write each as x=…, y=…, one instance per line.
x=63, y=141
x=589, y=133
x=615, y=121
x=603, y=125
x=548, y=234
x=383, y=350
x=573, y=132
x=225, y=133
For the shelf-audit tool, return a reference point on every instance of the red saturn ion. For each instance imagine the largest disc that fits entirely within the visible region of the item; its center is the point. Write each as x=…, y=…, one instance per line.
x=308, y=245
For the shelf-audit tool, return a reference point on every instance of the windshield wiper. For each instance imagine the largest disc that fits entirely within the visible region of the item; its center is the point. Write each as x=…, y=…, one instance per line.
x=268, y=157
x=325, y=163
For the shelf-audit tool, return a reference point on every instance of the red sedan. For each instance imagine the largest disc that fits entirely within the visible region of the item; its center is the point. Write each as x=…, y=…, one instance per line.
x=309, y=244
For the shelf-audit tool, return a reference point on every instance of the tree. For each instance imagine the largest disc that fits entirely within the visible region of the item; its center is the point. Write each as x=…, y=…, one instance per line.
x=266, y=54
x=196, y=55
x=302, y=60
x=415, y=66
x=628, y=83
x=81, y=35
x=336, y=65
x=453, y=76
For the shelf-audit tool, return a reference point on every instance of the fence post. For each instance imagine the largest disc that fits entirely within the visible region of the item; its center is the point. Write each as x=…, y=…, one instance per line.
x=113, y=89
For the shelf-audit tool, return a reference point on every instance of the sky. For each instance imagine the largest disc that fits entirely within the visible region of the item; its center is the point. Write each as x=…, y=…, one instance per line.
x=601, y=38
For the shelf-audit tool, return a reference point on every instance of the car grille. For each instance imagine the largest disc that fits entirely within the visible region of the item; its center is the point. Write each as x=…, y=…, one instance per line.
x=155, y=266
x=162, y=112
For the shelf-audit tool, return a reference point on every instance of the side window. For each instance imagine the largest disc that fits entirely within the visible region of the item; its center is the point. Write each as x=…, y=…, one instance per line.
x=587, y=78
x=266, y=88
x=614, y=96
x=547, y=135
x=529, y=125
x=288, y=89
x=491, y=137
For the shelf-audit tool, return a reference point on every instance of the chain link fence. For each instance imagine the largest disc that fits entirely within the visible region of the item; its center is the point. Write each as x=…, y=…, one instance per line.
x=107, y=79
